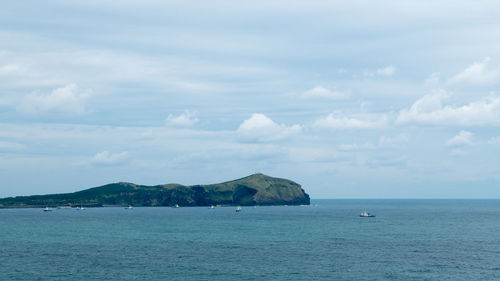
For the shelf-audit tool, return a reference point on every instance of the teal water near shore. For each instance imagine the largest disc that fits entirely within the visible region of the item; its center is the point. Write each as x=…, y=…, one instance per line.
x=408, y=240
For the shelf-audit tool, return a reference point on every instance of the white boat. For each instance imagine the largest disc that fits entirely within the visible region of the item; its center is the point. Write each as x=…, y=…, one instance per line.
x=238, y=209
x=129, y=207
x=365, y=214
x=211, y=207
x=47, y=209
x=81, y=208
x=176, y=206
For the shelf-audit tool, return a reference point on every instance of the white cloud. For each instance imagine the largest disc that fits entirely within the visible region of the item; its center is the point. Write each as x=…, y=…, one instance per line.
x=433, y=80
x=338, y=120
x=261, y=128
x=10, y=69
x=463, y=138
x=107, y=158
x=430, y=110
x=69, y=99
x=322, y=92
x=389, y=141
x=386, y=71
x=186, y=119
x=478, y=73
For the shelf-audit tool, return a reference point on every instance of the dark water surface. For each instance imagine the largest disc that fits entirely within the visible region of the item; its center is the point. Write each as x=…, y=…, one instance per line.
x=408, y=240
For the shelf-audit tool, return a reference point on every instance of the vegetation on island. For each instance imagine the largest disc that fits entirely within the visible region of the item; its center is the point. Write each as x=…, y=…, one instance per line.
x=257, y=189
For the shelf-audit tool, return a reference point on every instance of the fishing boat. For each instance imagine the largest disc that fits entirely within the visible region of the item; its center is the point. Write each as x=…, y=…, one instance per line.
x=365, y=214
x=176, y=206
x=129, y=207
x=211, y=207
x=47, y=209
x=238, y=209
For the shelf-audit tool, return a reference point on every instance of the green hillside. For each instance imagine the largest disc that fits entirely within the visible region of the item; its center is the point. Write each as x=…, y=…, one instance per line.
x=257, y=189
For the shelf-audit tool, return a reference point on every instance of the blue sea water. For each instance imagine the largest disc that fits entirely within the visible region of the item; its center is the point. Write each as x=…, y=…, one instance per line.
x=408, y=240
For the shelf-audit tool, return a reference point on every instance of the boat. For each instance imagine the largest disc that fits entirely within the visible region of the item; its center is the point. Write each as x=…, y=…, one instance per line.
x=211, y=207
x=176, y=206
x=238, y=209
x=365, y=214
x=129, y=207
x=81, y=208
x=47, y=209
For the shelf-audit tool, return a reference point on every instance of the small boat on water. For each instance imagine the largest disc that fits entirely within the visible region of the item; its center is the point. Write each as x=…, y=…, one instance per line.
x=81, y=208
x=211, y=207
x=176, y=206
x=365, y=214
x=129, y=207
x=238, y=209
x=47, y=209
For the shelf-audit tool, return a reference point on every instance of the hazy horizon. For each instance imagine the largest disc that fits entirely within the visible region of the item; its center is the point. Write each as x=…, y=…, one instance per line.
x=359, y=100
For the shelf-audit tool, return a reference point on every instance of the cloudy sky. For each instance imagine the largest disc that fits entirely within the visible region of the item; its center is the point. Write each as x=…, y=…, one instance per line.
x=351, y=99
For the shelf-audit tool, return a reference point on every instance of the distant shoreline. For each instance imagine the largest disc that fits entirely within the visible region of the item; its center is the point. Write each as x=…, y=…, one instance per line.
x=256, y=189
x=124, y=206
x=261, y=205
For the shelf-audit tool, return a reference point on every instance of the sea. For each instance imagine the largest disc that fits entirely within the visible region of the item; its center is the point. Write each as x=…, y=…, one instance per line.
x=328, y=240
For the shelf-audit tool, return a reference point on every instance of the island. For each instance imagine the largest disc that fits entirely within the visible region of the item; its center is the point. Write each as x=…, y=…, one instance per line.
x=257, y=189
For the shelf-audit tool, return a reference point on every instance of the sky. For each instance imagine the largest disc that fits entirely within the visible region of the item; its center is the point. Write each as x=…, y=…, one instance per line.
x=350, y=99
